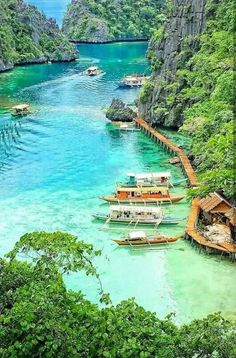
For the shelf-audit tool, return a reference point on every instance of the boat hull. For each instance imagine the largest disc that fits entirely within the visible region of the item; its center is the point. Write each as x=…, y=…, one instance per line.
x=148, y=242
x=114, y=199
x=128, y=221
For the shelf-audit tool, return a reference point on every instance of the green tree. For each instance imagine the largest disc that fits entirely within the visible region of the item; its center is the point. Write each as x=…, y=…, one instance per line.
x=40, y=317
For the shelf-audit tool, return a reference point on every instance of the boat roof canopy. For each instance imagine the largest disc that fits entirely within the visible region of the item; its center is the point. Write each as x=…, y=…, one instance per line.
x=92, y=68
x=140, y=176
x=137, y=235
x=144, y=189
x=136, y=209
x=21, y=107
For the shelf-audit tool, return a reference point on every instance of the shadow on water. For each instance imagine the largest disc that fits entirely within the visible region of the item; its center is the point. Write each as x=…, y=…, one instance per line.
x=13, y=141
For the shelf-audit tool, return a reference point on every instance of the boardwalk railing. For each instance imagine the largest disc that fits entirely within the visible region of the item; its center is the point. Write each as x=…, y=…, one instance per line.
x=173, y=148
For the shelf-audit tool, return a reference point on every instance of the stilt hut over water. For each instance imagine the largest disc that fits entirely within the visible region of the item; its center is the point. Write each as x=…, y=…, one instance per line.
x=216, y=209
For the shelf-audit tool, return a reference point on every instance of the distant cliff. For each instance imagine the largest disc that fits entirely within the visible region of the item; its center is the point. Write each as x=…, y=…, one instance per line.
x=111, y=20
x=169, y=52
x=192, y=84
x=27, y=36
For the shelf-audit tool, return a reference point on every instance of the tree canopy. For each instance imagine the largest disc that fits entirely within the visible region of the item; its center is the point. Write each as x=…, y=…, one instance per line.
x=108, y=20
x=40, y=317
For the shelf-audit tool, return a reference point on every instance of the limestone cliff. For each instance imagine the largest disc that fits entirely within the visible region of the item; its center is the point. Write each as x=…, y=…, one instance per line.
x=159, y=103
x=27, y=36
x=102, y=21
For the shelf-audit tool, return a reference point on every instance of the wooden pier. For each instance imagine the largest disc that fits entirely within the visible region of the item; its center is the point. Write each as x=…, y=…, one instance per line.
x=172, y=148
x=191, y=231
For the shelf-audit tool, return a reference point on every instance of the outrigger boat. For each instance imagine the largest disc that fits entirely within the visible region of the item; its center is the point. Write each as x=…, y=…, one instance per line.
x=21, y=109
x=137, y=215
x=147, y=179
x=128, y=128
x=93, y=71
x=151, y=179
x=135, y=80
x=138, y=238
x=142, y=195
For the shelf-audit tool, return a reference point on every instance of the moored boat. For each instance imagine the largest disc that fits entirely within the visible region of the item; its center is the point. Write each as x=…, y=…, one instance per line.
x=136, y=215
x=129, y=128
x=135, y=80
x=142, y=195
x=138, y=238
x=147, y=179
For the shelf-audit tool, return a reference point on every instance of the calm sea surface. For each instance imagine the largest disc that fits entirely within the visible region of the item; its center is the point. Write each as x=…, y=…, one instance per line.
x=56, y=162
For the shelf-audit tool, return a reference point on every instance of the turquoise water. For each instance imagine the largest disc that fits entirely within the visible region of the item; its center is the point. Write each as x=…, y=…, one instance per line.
x=51, y=8
x=56, y=162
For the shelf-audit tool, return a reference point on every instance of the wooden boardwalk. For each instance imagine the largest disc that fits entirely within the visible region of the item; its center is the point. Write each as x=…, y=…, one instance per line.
x=173, y=148
x=191, y=231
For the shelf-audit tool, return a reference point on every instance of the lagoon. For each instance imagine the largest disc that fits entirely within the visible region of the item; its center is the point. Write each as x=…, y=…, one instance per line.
x=56, y=162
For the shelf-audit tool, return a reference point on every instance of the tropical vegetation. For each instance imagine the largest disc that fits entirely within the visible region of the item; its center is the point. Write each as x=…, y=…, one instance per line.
x=203, y=88
x=41, y=317
x=26, y=35
x=108, y=20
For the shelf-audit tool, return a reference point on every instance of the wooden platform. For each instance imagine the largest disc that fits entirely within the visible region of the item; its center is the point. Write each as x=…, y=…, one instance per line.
x=191, y=232
x=173, y=148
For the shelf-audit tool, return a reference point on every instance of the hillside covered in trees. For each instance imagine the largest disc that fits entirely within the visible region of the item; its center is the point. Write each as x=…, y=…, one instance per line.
x=191, y=87
x=40, y=317
x=109, y=20
x=27, y=36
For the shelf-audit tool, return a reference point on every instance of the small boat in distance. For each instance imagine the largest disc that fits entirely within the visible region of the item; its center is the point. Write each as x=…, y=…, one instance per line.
x=136, y=215
x=135, y=80
x=93, y=71
x=138, y=238
x=129, y=128
x=21, y=109
x=142, y=195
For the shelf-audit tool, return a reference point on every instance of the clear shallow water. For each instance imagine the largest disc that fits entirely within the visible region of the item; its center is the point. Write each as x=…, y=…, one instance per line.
x=55, y=163
x=51, y=8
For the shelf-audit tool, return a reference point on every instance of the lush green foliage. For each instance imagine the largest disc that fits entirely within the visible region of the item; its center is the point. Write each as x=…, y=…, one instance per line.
x=201, y=92
x=109, y=20
x=39, y=317
x=26, y=35
x=209, y=83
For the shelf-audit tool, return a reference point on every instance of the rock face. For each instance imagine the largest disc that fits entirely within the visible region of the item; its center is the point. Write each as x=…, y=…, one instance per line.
x=27, y=36
x=111, y=20
x=119, y=112
x=178, y=42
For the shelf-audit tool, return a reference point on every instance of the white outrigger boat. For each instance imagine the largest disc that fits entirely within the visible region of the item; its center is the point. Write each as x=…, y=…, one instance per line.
x=21, y=109
x=128, y=128
x=135, y=80
x=139, y=238
x=136, y=215
x=93, y=71
x=151, y=179
x=147, y=179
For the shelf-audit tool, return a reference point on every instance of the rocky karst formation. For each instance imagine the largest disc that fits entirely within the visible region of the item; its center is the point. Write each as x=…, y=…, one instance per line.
x=159, y=101
x=99, y=21
x=27, y=36
x=119, y=111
